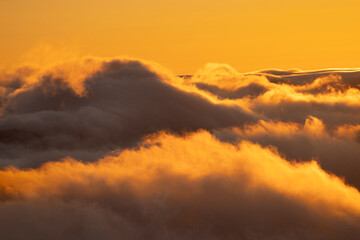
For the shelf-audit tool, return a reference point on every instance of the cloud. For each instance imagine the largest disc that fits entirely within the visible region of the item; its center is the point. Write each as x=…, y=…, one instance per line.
x=122, y=148
x=68, y=111
x=289, y=96
x=349, y=78
x=336, y=150
x=179, y=188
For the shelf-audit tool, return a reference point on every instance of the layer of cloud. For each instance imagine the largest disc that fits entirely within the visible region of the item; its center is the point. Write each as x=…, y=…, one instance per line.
x=122, y=148
x=179, y=188
x=330, y=95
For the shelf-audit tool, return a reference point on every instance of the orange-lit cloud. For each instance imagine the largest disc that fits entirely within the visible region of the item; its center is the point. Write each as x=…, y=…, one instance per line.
x=110, y=148
x=182, y=188
x=336, y=150
x=287, y=95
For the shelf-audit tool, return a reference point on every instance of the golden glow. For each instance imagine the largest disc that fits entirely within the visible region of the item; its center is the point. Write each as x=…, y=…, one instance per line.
x=184, y=35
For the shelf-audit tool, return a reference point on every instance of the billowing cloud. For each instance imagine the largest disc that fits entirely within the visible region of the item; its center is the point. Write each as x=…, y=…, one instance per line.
x=114, y=105
x=333, y=96
x=337, y=150
x=180, y=188
x=123, y=148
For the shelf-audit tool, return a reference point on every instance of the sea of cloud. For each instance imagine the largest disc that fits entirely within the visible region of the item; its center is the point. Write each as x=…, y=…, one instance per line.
x=124, y=149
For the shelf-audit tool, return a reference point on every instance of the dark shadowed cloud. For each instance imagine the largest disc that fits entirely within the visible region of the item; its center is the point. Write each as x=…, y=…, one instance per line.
x=123, y=102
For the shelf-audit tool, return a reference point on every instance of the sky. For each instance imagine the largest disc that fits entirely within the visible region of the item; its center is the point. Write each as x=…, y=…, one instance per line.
x=185, y=35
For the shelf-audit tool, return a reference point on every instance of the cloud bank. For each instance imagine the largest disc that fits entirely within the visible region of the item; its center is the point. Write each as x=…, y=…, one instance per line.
x=180, y=188
x=123, y=148
x=119, y=102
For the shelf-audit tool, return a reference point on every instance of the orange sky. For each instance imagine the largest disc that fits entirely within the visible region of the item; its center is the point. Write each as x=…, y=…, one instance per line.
x=183, y=35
